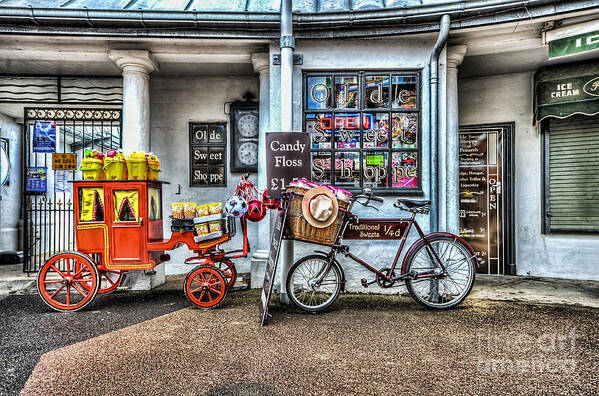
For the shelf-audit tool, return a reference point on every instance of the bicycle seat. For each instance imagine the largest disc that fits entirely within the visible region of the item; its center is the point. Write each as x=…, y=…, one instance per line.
x=413, y=205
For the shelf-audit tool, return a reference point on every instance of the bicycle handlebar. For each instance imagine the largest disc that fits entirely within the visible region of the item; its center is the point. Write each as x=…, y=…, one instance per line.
x=369, y=197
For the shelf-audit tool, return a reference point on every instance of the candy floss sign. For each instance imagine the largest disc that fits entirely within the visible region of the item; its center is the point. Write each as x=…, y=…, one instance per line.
x=287, y=158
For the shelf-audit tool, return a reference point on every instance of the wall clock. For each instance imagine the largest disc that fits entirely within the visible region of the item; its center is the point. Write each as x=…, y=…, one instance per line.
x=245, y=127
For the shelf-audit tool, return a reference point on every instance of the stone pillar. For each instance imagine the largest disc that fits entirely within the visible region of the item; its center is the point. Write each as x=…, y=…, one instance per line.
x=136, y=66
x=261, y=63
x=455, y=55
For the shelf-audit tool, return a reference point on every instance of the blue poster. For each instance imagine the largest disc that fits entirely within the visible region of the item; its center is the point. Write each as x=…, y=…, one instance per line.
x=37, y=177
x=44, y=137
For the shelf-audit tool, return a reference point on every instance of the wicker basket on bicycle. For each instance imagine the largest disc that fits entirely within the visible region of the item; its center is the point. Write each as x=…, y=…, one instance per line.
x=297, y=227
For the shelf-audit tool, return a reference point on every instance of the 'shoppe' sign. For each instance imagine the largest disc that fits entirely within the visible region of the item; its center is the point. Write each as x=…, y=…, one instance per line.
x=287, y=158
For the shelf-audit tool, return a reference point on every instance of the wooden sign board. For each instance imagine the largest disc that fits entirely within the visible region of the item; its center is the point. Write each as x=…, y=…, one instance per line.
x=287, y=158
x=207, y=151
x=271, y=265
x=64, y=161
x=384, y=229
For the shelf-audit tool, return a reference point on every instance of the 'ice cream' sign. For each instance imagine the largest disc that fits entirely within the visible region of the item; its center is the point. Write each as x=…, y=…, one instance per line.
x=287, y=158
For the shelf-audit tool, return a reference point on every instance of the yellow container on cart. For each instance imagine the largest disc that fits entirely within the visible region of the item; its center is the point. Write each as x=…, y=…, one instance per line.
x=115, y=167
x=137, y=166
x=92, y=168
x=153, y=167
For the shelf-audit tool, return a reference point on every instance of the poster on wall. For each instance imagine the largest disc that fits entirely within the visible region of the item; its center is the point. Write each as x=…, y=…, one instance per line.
x=37, y=178
x=61, y=181
x=44, y=137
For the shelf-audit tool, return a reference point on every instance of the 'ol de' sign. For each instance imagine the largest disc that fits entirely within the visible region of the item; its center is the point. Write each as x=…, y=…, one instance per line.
x=287, y=158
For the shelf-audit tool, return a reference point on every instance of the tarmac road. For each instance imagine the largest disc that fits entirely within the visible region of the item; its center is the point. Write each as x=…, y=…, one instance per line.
x=377, y=345
x=28, y=328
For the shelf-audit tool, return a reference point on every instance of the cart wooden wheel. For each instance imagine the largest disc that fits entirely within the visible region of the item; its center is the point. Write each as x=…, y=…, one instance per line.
x=228, y=269
x=109, y=280
x=205, y=286
x=68, y=281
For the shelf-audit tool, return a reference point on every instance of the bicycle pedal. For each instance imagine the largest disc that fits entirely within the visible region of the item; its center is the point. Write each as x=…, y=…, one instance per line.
x=365, y=283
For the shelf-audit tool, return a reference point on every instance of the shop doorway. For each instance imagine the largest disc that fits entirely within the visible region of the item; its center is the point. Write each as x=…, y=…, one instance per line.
x=486, y=195
x=47, y=200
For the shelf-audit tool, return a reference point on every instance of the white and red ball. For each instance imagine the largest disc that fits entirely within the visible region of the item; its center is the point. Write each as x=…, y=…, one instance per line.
x=256, y=210
x=236, y=206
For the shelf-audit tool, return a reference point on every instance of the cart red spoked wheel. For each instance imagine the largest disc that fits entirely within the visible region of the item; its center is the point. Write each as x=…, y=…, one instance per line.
x=228, y=269
x=205, y=286
x=68, y=281
x=109, y=280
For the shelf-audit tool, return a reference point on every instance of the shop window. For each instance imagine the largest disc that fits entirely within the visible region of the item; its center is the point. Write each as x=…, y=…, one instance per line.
x=154, y=204
x=91, y=204
x=571, y=166
x=364, y=129
x=126, y=205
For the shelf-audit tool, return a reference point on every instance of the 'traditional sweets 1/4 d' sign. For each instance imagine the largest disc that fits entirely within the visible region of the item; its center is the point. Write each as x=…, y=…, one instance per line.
x=287, y=158
x=375, y=229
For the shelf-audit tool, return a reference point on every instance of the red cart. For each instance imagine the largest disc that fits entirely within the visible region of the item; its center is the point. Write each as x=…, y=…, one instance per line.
x=118, y=226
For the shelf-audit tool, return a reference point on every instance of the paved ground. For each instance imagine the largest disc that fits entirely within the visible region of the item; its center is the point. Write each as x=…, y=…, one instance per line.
x=364, y=345
x=29, y=329
x=536, y=290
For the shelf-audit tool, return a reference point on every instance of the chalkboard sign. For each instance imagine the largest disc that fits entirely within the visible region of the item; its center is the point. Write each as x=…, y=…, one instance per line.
x=271, y=265
x=207, y=152
x=288, y=158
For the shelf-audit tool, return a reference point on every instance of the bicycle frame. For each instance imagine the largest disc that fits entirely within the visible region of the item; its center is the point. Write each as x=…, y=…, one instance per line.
x=337, y=247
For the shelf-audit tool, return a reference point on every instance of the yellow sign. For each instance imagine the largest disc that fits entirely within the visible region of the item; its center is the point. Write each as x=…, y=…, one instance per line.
x=64, y=161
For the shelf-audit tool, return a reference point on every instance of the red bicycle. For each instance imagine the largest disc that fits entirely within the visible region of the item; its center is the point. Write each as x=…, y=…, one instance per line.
x=438, y=269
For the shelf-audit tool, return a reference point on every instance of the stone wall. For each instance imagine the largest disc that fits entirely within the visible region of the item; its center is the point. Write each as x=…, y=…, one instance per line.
x=10, y=206
x=175, y=102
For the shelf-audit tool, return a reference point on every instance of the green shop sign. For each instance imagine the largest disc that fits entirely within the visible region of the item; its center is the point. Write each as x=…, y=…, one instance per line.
x=574, y=45
x=562, y=91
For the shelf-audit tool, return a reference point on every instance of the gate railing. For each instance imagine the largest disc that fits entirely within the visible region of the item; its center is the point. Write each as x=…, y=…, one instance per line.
x=48, y=215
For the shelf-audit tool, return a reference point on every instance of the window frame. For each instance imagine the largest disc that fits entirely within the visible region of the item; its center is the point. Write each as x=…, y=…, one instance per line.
x=361, y=110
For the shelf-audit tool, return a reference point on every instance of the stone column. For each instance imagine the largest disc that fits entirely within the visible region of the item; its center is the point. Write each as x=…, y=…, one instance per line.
x=136, y=66
x=455, y=55
x=261, y=63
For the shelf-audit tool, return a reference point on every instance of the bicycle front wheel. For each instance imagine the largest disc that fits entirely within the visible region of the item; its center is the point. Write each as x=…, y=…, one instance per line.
x=303, y=289
x=447, y=291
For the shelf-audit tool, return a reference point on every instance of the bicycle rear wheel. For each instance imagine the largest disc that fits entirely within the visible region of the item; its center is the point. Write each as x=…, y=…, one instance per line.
x=446, y=291
x=302, y=289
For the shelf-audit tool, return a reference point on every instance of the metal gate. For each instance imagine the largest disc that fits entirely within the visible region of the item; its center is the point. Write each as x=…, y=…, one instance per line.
x=48, y=198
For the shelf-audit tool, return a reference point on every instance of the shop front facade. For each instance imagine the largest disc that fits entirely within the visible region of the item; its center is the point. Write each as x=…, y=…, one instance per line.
x=368, y=104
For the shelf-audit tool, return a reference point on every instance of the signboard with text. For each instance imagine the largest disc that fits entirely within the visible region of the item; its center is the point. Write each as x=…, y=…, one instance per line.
x=287, y=158
x=207, y=151
x=384, y=229
x=574, y=45
x=563, y=90
x=64, y=161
